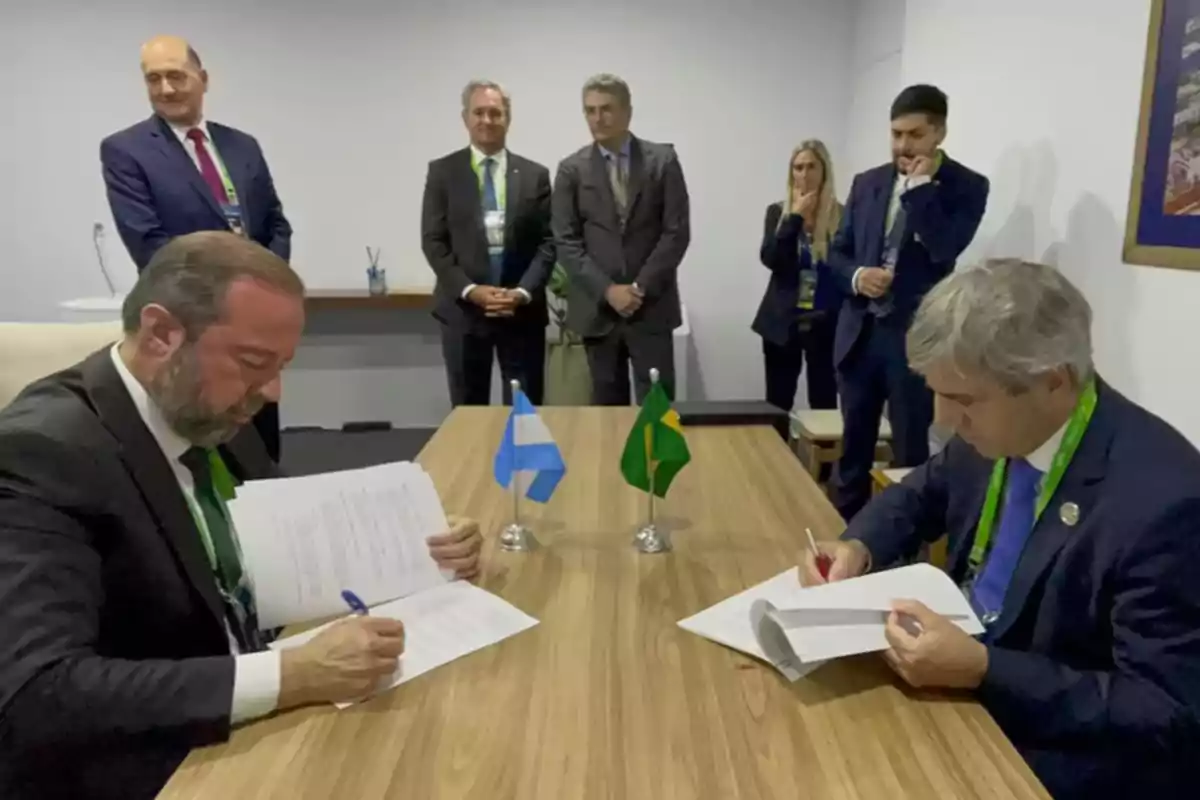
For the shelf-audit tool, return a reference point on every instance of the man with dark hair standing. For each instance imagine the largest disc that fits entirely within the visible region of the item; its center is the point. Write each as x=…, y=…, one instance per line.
x=128, y=632
x=485, y=231
x=622, y=225
x=178, y=173
x=905, y=225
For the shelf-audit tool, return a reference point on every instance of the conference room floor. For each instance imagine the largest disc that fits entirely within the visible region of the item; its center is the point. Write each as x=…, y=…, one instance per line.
x=607, y=697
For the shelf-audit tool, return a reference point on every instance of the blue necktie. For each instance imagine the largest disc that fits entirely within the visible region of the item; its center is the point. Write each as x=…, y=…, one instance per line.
x=490, y=203
x=1016, y=522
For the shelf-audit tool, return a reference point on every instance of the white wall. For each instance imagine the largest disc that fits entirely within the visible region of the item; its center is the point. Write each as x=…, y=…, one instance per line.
x=1044, y=99
x=351, y=100
x=875, y=82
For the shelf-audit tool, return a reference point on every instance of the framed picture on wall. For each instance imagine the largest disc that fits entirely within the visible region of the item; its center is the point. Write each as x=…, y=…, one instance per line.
x=1163, y=225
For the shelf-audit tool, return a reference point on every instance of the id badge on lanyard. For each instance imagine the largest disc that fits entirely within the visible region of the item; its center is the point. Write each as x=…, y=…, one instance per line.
x=808, y=280
x=493, y=223
x=233, y=217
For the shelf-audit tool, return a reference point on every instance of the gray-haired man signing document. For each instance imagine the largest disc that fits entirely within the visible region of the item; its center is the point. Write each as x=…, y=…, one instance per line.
x=1073, y=518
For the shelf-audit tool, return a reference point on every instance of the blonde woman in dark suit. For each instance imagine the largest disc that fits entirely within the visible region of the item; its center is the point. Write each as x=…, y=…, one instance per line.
x=798, y=314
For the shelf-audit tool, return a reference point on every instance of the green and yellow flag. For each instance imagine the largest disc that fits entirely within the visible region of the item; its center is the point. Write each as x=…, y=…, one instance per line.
x=655, y=445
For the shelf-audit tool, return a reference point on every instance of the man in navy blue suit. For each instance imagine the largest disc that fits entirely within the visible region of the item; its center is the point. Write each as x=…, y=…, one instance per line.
x=905, y=225
x=1073, y=524
x=177, y=173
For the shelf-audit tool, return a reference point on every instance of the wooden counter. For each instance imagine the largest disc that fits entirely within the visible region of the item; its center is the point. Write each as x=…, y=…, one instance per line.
x=607, y=697
x=330, y=299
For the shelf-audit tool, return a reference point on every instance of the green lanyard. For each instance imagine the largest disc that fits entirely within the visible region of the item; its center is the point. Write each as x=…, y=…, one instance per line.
x=226, y=486
x=1076, y=427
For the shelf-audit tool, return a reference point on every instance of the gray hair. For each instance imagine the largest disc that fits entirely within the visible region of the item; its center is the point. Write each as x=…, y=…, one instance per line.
x=190, y=276
x=1009, y=320
x=475, y=85
x=609, y=84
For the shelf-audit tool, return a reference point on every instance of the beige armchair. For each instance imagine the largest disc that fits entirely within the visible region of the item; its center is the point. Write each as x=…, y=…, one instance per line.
x=33, y=350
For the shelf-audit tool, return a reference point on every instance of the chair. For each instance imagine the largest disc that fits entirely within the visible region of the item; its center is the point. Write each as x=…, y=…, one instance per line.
x=817, y=439
x=33, y=350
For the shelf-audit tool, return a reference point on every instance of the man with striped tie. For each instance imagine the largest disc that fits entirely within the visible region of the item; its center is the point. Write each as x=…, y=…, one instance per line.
x=485, y=231
x=904, y=227
x=178, y=173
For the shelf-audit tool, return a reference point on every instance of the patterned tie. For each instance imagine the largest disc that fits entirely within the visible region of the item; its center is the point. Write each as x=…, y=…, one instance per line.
x=208, y=167
x=231, y=580
x=883, y=306
x=492, y=203
x=1016, y=523
x=619, y=181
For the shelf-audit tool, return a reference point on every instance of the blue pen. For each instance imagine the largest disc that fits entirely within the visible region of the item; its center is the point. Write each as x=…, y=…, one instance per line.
x=355, y=603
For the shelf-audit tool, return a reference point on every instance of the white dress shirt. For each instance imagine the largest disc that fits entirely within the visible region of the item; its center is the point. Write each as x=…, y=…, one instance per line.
x=256, y=675
x=500, y=181
x=903, y=184
x=1041, y=458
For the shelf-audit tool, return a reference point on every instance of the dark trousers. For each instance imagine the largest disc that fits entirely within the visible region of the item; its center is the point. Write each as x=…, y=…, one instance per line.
x=609, y=357
x=874, y=372
x=783, y=363
x=520, y=349
x=266, y=422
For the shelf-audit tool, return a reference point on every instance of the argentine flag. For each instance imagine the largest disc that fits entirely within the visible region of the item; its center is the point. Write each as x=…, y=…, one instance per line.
x=528, y=453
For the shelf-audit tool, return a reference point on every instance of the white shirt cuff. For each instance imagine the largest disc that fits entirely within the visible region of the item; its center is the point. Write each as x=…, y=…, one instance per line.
x=914, y=181
x=528, y=297
x=256, y=678
x=854, y=280
x=467, y=290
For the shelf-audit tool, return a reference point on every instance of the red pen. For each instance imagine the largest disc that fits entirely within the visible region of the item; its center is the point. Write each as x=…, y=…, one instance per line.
x=824, y=562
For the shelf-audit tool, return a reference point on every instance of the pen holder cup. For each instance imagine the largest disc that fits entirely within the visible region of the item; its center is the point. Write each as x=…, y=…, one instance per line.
x=377, y=281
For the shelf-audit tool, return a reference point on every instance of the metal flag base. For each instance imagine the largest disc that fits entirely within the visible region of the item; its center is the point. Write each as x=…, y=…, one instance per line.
x=516, y=538
x=651, y=539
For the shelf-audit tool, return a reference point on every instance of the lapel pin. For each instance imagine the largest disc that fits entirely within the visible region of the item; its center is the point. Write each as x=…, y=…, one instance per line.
x=1069, y=514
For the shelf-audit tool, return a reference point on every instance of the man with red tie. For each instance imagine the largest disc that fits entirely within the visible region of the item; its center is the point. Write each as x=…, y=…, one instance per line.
x=176, y=173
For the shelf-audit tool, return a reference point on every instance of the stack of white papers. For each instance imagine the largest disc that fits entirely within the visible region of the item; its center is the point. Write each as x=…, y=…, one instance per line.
x=796, y=629
x=440, y=625
x=306, y=540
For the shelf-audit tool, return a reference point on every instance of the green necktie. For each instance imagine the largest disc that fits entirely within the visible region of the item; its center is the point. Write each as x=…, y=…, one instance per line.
x=235, y=589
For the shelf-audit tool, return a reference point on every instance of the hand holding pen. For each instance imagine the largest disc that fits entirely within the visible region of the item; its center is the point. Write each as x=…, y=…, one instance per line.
x=345, y=662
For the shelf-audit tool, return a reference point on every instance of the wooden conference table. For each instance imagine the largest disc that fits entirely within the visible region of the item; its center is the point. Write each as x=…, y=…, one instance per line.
x=607, y=697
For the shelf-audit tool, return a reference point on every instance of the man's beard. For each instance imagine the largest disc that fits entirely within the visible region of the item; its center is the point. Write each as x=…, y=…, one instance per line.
x=176, y=390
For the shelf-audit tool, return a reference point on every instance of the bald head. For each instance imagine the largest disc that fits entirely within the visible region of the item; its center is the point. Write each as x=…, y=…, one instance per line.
x=175, y=80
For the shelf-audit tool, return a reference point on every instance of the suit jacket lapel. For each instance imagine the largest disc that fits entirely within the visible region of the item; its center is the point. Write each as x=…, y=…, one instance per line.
x=637, y=173
x=171, y=148
x=877, y=217
x=238, y=168
x=1082, y=485
x=512, y=199
x=464, y=182
x=146, y=462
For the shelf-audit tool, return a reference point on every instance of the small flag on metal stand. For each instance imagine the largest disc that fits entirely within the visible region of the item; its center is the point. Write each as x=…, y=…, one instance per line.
x=654, y=453
x=528, y=463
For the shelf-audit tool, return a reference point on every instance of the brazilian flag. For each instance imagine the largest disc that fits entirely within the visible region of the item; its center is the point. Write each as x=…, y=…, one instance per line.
x=655, y=446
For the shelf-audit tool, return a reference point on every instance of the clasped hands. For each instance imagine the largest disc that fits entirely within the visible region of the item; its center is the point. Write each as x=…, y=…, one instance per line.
x=927, y=650
x=625, y=298
x=347, y=660
x=497, y=301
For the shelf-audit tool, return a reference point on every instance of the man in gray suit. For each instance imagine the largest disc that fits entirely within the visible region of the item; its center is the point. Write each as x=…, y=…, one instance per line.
x=621, y=225
x=485, y=230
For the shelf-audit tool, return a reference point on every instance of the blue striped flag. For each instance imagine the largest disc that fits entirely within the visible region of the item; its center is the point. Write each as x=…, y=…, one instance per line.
x=528, y=453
